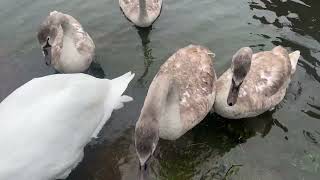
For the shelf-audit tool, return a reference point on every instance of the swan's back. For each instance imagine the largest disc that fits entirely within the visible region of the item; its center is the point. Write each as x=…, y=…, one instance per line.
x=131, y=9
x=46, y=123
x=192, y=70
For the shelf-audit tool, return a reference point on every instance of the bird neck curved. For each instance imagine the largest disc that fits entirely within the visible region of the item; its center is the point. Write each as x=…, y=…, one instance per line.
x=162, y=104
x=142, y=9
x=64, y=21
x=158, y=96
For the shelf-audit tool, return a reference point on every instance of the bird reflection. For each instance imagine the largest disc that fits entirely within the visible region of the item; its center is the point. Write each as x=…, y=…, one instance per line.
x=204, y=146
x=250, y=127
x=147, y=51
x=96, y=70
x=313, y=111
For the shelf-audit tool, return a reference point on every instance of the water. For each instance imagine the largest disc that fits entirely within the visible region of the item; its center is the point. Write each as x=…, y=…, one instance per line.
x=281, y=144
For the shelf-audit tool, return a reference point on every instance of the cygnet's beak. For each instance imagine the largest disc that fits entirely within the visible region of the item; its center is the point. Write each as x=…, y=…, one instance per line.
x=143, y=172
x=47, y=53
x=233, y=93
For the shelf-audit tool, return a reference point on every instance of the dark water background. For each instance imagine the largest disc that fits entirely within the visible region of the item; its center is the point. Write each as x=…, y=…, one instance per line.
x=281, y=144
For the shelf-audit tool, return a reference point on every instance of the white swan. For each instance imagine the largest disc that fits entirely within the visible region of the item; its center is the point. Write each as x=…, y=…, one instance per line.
x=46, y=123
x=141, y=12
x=255, y=83
x=179, y=97
x=66, y=46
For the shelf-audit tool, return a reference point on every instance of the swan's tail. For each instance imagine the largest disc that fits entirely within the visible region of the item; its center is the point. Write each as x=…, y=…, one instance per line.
x=294, y=57
x=119, y=85
x=114, y=98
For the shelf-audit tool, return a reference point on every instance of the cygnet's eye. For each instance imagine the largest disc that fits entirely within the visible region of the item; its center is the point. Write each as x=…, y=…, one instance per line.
x=47, y=43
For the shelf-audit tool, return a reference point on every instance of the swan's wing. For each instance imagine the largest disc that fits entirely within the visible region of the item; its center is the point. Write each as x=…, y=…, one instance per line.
x=192, y=69
x=49, y=120
x=268, y=74
x=84, y=43
x=265, y=85
x=57, y=46
x=82, y=39
x=43, y=87
x=263, y=88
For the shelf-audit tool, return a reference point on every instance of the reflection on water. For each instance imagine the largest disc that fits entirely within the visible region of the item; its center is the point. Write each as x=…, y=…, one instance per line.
x=299, y=26
x=279, y=144
x=96, y=70
x=147, y=51
x=313, y=112
x=199, y=154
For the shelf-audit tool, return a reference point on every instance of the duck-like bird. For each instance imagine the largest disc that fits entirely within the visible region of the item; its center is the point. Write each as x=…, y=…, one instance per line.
x=65, y=45
x=179, y=97
x=142, y=13
x=46, y=123
x=255, y=83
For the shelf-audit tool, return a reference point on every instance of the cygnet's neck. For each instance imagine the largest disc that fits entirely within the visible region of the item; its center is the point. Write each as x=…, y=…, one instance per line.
x=157, y=97
x=162, y=104
x=64, y=21
x=143, y=9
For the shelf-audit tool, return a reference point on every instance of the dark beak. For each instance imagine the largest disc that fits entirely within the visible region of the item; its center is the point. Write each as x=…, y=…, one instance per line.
x=233, y=94
x=47, y=53
x=143, y=172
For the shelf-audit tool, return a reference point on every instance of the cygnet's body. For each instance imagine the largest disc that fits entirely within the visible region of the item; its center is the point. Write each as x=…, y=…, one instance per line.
x=66, y=46
x=255, y=83
x=179, y=97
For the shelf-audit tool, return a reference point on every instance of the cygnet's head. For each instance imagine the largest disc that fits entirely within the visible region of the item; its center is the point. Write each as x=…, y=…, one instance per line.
x=47, y=33
x=146, y=140
x=241, y=62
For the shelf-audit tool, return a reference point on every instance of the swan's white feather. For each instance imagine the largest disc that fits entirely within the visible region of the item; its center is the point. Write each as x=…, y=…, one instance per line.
x=46, y=123
x=294, y=57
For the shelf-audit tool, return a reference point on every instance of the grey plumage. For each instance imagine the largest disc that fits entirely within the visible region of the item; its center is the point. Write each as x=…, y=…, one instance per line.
x=141, y=12
x=179, y=97
x=65, y=35
x=263, y=87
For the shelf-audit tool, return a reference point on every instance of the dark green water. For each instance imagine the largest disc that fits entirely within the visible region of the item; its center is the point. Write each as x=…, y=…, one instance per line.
x=281, y=144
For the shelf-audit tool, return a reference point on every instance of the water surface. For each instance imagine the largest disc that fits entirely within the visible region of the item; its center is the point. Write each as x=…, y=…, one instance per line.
x=280, y=144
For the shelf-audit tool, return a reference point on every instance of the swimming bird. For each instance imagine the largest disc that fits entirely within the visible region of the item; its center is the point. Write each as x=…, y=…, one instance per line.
x=254, y=83
x=142, y=13
x=65, y=45
x=179, y=97
x=46, y=123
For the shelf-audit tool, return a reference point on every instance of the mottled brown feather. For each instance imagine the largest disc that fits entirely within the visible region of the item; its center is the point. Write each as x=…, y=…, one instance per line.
x=52, y=26
x=82, y=40
x=132, y=6
x=131, y=9
x=263, y=87
x=192, y=70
